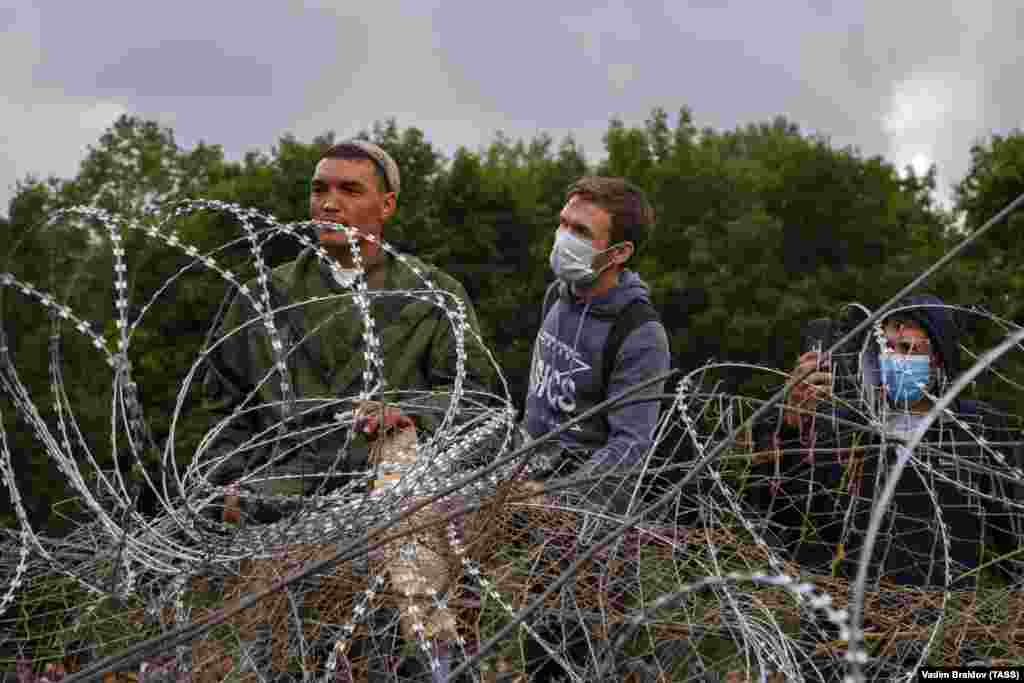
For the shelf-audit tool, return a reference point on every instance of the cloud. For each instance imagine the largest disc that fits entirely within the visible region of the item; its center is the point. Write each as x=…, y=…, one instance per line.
x=916, y=81
x=923, y=117
x=62, y=130
x=620, y=75
x=440, y=68
x=186, y=68
x=951, y=93
x=70, y=70
x=45, y=132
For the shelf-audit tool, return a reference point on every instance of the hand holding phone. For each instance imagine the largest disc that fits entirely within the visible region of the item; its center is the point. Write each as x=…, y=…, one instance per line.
x=814, y=367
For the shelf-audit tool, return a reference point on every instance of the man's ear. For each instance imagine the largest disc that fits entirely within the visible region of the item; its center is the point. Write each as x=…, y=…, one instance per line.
x=623, y=253
x=388, y=206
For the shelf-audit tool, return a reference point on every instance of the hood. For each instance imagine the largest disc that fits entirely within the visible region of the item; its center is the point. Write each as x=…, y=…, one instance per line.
x=931, y=313
x=608, y=305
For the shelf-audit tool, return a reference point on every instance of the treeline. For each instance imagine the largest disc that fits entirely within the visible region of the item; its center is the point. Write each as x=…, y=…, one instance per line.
x=759, y=228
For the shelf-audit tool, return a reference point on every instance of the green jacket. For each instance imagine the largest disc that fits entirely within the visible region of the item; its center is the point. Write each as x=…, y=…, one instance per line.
x=324, y=346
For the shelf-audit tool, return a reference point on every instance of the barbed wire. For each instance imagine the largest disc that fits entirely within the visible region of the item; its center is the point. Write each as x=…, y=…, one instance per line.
x=735, y=549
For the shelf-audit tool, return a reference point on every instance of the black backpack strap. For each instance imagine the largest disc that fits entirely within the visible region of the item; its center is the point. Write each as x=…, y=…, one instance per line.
x=636, y=313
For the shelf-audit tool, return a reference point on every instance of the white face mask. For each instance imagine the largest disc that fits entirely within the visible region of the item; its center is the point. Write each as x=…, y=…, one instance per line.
x=345, y=277
x=572, y=259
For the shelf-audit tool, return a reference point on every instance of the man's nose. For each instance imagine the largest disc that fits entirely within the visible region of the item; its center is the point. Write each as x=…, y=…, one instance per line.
x=330, y=204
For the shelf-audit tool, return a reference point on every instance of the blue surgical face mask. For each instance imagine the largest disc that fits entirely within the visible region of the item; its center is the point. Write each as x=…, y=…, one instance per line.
x=572, y=259
x=905, y=377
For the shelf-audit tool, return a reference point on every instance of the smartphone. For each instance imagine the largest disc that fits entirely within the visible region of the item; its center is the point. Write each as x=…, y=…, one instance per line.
x=817, y=335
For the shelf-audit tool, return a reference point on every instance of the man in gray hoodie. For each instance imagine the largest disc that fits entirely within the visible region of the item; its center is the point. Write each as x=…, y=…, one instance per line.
x=604, y=222
x=595, y=308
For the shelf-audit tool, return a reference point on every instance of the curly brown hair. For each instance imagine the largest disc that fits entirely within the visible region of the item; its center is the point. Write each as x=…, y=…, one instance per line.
x=631, y=214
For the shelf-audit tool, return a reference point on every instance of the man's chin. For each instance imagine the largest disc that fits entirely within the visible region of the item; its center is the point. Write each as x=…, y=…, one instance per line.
x=333, y=238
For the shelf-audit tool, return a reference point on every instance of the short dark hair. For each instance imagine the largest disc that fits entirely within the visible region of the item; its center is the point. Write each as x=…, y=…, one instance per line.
x=347, y=150
x=632, y=215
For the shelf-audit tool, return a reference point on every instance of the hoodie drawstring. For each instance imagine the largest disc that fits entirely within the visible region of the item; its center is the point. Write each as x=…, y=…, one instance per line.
x=579, y=329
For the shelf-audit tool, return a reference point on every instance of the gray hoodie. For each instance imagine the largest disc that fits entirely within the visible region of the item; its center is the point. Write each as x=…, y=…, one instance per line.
x=566, y=374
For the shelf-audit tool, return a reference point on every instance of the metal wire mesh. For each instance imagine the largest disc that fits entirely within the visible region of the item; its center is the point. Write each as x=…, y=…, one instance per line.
x=410, y=570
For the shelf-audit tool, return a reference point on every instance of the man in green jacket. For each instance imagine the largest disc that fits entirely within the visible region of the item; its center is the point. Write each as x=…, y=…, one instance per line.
x=285, y=439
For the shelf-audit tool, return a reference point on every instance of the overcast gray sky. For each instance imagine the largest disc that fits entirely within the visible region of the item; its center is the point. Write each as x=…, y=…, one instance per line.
x=914, y=80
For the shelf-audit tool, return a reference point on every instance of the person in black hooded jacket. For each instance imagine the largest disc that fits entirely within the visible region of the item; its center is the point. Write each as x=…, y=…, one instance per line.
x=823, y=462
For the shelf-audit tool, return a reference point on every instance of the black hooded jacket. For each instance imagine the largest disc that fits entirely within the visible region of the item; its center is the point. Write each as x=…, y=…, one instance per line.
x=816, y=486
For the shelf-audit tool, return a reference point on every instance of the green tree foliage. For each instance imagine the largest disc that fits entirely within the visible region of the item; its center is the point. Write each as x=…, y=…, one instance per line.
x=989, y=275
x=135, y=167
x=759, y=228
x=35, y=255
x=762, y=227
x=995, y=178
